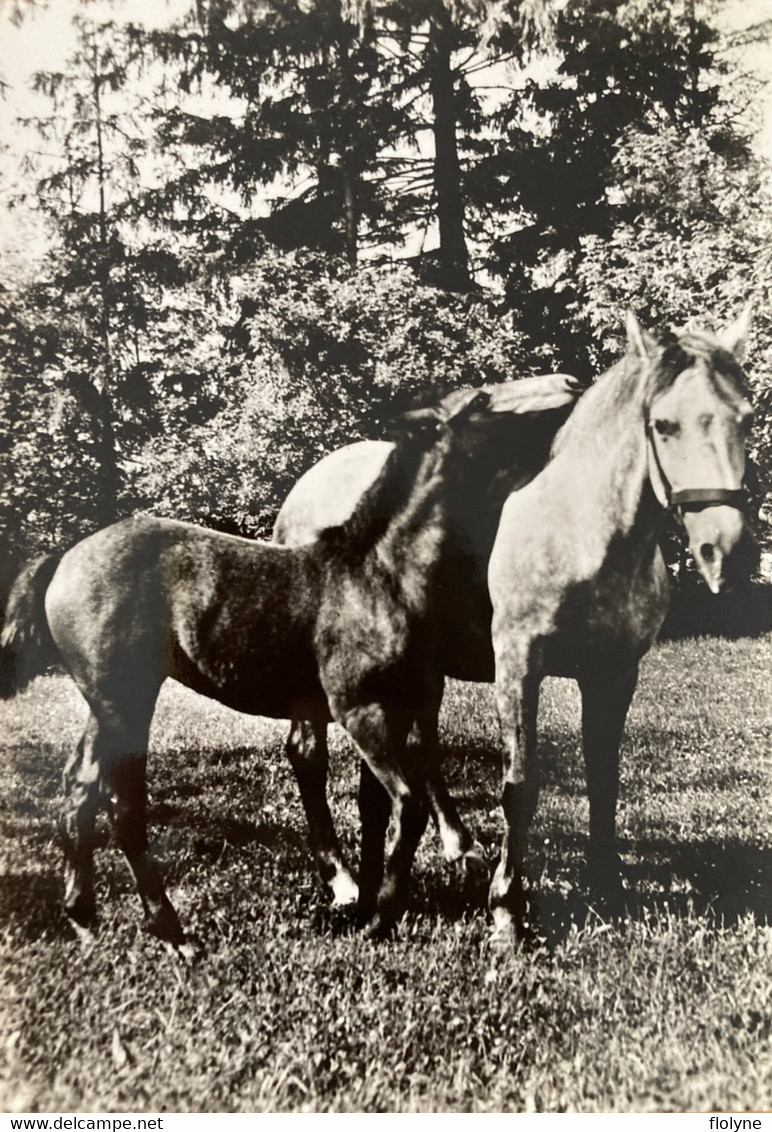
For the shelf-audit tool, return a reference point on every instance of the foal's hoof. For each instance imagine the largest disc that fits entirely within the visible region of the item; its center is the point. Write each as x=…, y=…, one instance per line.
x=82, y=918
x=164, y=924
x=378, y=928
x=506, y=931
x=513, y=930
x=188, y=952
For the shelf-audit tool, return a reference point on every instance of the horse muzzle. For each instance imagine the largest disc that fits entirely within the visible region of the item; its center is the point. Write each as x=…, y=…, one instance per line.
x=715, y=532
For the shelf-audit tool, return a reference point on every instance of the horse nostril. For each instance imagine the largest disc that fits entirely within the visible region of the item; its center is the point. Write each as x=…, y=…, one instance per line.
x=707, y=551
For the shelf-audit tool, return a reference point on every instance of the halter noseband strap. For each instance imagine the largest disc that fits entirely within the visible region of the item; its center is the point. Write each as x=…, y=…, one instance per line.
x=696, y=498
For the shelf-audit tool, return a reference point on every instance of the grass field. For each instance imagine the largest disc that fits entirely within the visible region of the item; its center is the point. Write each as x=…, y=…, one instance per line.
x=289, y=1008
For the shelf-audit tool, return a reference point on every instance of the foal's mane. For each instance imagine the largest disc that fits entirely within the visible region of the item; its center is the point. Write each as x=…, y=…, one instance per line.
x=379, y=505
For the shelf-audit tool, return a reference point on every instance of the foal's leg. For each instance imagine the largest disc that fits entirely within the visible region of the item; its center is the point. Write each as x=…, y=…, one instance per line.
x=309, y=757
x=82, y=800
x=374, y=814
x=381, y=737
x=457, y=841
x=518, y=705
x=126, y=783
x=109, y=769
x=113, y=769
x=606, y=695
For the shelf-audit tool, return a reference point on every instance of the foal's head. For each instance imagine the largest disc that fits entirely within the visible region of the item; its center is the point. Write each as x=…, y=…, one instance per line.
x=430, y=454
x=446, y=429
x=697, y=416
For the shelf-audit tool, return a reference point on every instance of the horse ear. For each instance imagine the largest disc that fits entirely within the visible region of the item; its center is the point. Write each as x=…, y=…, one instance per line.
x=639, y=341
x=735, y=338
x=474, y=402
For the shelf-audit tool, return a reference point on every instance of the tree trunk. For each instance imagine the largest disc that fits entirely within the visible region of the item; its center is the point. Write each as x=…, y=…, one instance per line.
x=107, y=507
x=351, y=216
x=105, y=446
x=349, y=171
x=454, y=257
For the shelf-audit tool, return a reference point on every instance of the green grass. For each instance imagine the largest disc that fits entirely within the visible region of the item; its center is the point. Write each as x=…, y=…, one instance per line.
x=669, y=1008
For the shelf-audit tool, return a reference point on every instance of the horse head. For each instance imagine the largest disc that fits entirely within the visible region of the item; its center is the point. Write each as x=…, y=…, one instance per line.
x=697, y=419
x=450, y=420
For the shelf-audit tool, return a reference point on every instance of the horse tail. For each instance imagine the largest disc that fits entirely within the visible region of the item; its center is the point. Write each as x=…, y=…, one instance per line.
x=27, y=648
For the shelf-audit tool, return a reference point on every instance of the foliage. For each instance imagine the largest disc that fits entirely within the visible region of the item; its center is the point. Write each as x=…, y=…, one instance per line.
x=92, y=289
x=622, y=68
x=311, y=110
x=695, y=243
x=320, y=355
x=52, y=419
x=206, y=336
x=330, y=109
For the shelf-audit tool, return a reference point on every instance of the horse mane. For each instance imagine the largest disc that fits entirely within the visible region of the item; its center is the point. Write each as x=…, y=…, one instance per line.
x=611, y=393
x=606, y=397
x=681, y=351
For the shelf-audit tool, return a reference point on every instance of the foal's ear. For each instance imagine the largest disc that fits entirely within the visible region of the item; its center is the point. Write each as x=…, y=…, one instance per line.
x=735, y=338
x=639, y=341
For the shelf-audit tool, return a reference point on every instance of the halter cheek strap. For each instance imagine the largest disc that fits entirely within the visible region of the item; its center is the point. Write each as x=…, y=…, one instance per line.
x=690, y=498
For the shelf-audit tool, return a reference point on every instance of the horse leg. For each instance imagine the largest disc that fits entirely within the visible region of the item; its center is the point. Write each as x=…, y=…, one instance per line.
x=457, y=842
x=381, y=737
x=309, y=757
x=374, y=814
x=82, y=800
x=606, y=696
x=518, y=706
x=114, y=764
x=126, y=781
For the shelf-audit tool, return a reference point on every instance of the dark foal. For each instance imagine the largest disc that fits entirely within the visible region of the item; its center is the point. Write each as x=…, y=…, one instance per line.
x=344, y=629
x=510, y=446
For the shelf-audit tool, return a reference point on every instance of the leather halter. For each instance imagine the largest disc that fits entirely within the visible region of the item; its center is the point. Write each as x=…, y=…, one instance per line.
x=697, y=498
x=694, y=498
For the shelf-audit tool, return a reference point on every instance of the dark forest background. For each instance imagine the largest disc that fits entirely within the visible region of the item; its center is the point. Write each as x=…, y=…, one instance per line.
x=271, y=224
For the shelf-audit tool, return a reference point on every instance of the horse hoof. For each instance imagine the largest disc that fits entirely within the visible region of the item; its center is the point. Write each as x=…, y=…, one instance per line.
x=165, y=925
x=345, y=891
x=379, y=929
x=505, y=933
x=85, y=934
x=502, y=942
x=82, y=917
x=188, y=952
x=514, y=929
x=474, y=862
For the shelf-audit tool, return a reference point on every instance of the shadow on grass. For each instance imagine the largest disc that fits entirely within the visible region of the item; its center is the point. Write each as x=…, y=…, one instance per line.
x=727, y=880
x=718, y=882
x=241, y=834
x=32, y=906
x=745, y=611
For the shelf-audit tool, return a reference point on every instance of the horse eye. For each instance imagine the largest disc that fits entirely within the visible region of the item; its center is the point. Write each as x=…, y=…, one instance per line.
x=665, y=428
x=746, y=421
